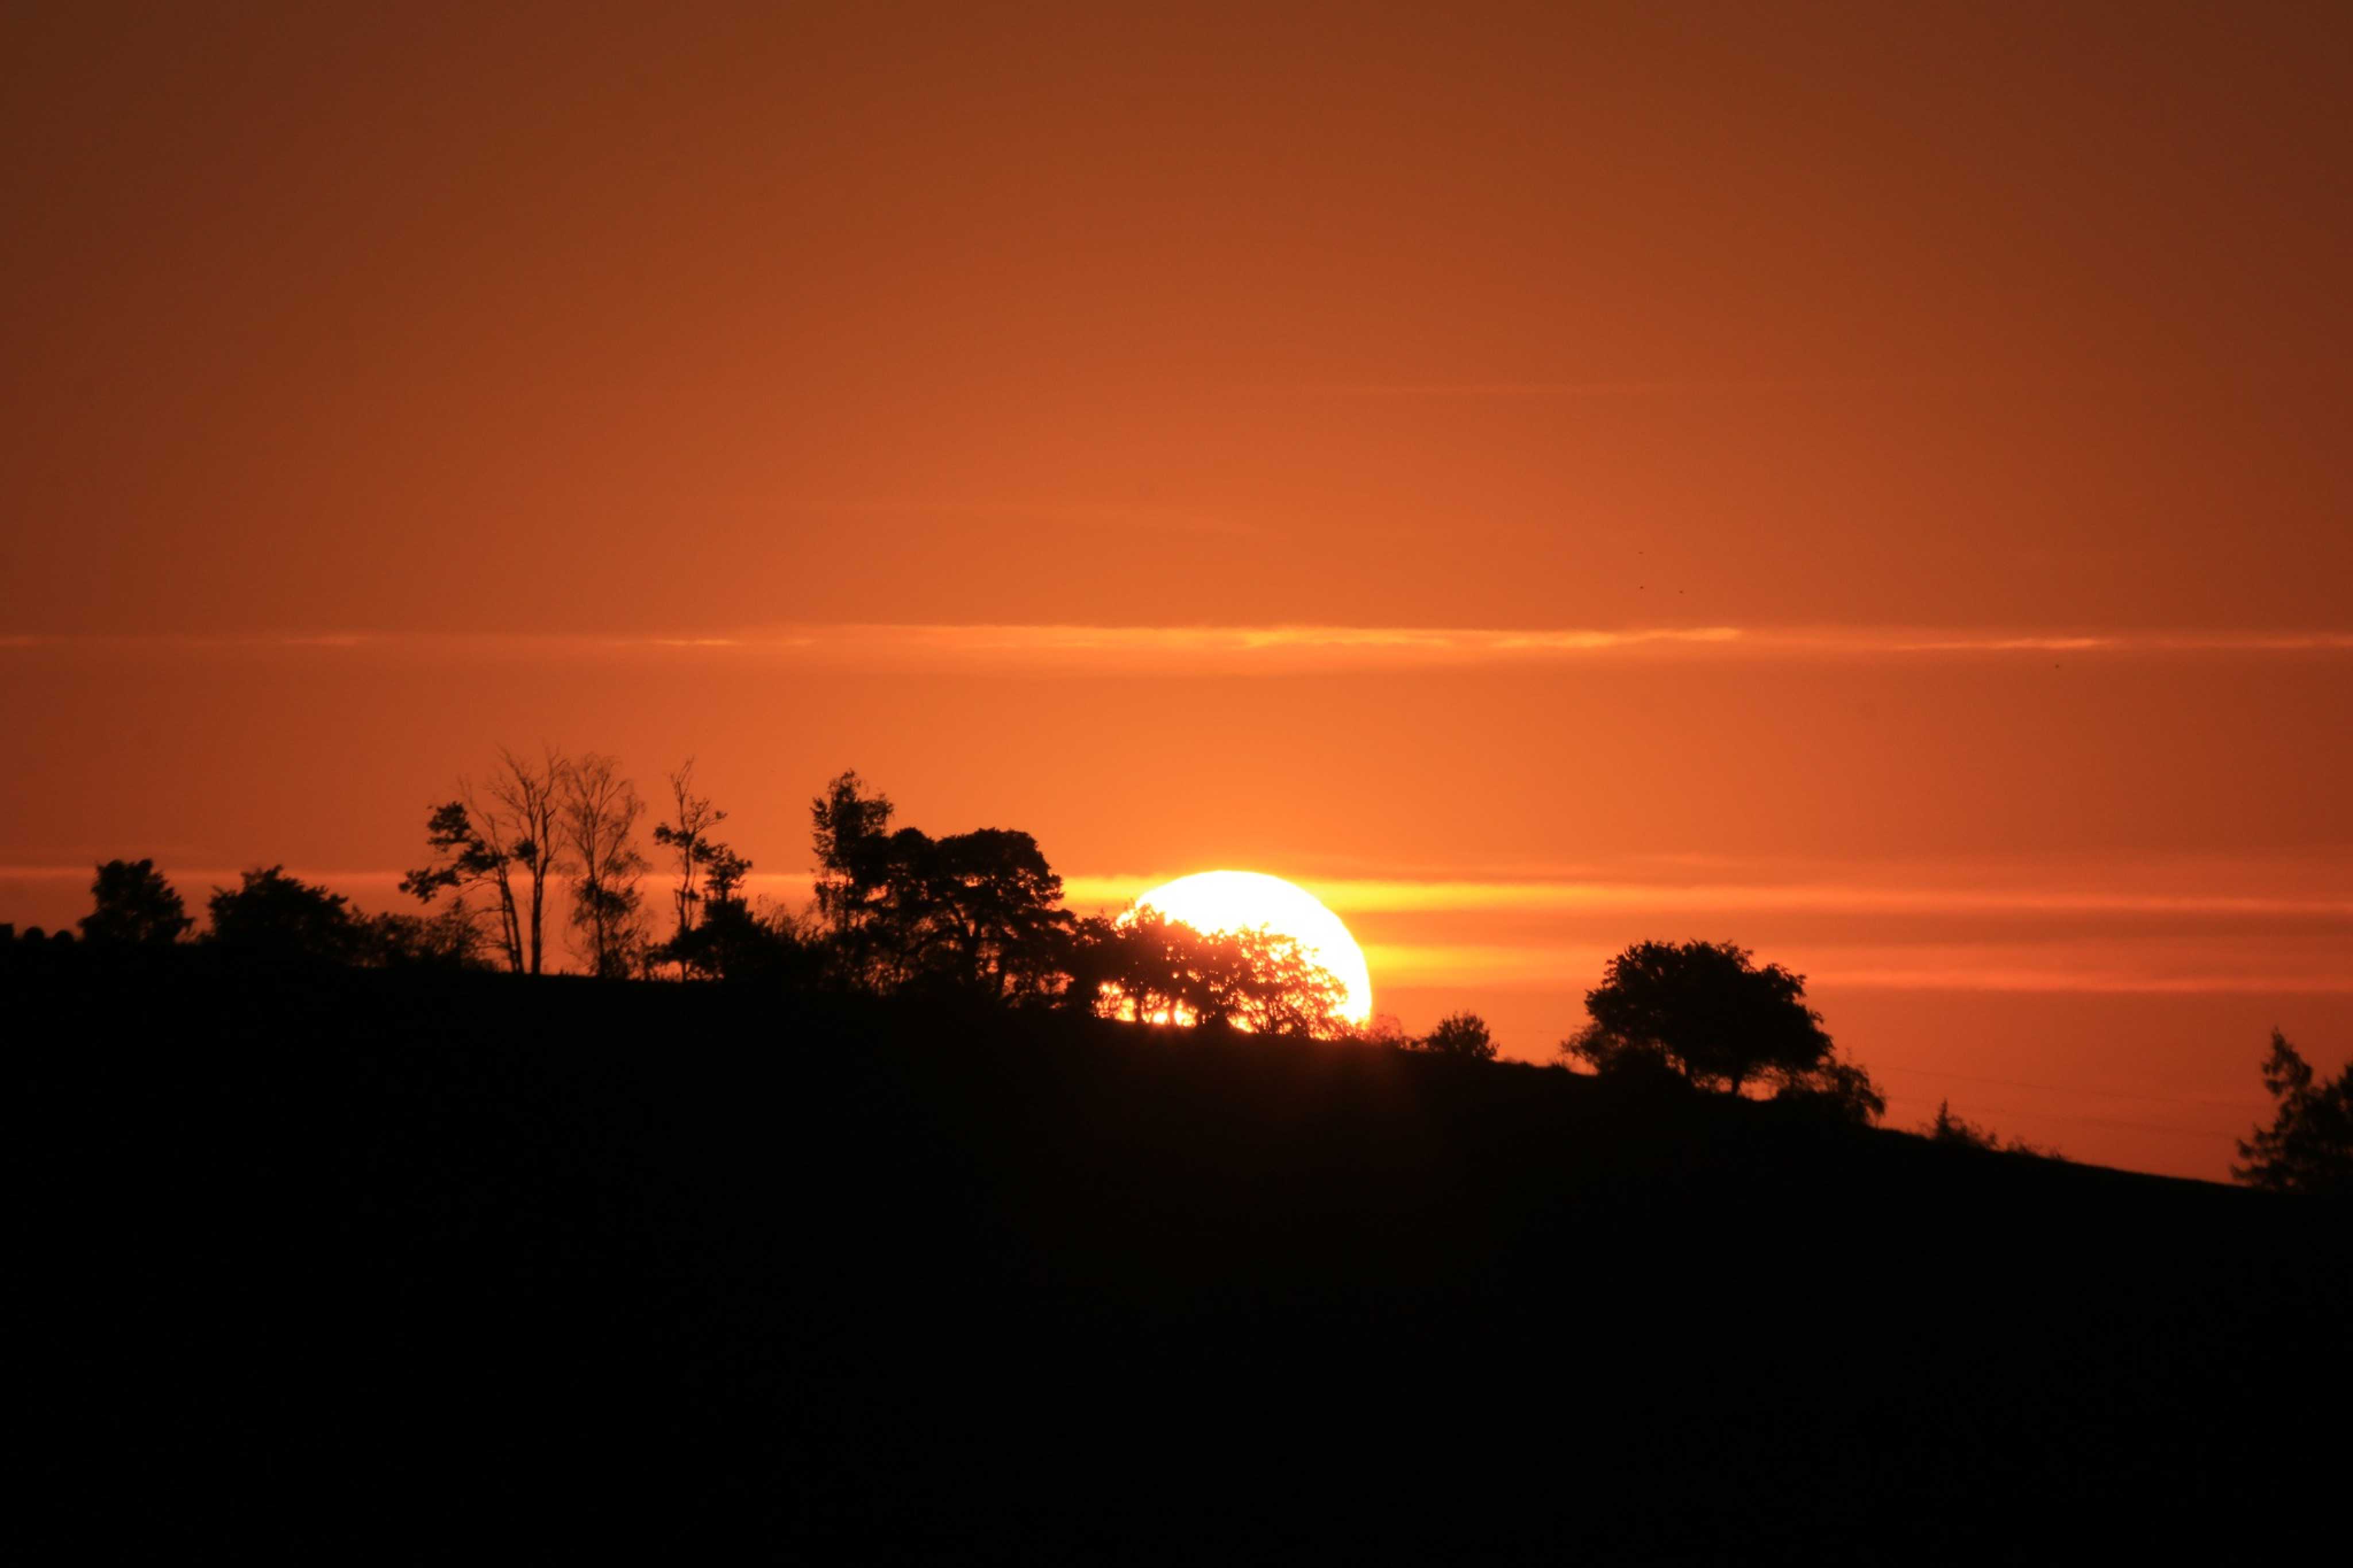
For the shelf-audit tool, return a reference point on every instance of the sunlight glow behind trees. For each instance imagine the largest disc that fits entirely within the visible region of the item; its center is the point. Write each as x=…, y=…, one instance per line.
x=1213, y=903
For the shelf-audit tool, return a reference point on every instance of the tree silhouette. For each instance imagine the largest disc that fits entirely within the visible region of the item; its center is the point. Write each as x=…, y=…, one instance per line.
x=526, y=794
x=707, y=869
x=1145, y=966
x=273, y=916
x=848, y=829
x=449, y=938
x=735, y=943
x=1461, y=1035
x=976, y=912
x=469, y=850
x=597, y=816
x=1133, y=967
x=1622, y=1062
x=2308, y=1147
x=1833, y=1090
x=724, y=872
x=984, y=908
x=135, y=907
x=485, y=837
x=1703, y=1011
x=1282, y=989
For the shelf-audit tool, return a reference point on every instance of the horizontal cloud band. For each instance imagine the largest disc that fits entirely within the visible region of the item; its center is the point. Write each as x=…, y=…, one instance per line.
x=1082, y=649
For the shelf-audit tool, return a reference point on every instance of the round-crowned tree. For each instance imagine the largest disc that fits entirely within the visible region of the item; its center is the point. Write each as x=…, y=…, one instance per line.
x=1462, y=1035
x=1706, y=1011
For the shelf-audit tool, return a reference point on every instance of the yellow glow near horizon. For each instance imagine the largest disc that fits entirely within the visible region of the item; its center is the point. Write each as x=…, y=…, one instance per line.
x=1212, y=902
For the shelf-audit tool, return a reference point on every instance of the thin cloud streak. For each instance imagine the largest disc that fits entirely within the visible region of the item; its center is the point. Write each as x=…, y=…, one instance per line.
x=1572, y=390
x=1193, y=650
x=1348, y=896
x=1993, y=969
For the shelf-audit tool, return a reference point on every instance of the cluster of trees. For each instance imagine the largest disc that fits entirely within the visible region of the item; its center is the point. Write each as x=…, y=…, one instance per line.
x=268, y=916
x=538, y=820
x=979, y=915
x=1145, y=966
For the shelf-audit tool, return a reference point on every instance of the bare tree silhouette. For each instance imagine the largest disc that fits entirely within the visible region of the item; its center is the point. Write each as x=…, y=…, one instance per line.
x=596, y=817
x=486, y=836
x=688, y=838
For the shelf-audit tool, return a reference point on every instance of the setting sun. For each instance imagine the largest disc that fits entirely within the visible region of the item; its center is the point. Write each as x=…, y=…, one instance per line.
x=1214, y=902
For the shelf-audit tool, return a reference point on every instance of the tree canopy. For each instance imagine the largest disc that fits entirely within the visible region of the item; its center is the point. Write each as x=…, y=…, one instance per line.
x=977, y=911
x=2308, y=1147
x=1462, y=1035
x=274, y=916
x=1708, y=1011
x=135, y=907
x=1703, y=1013
x=1143, y=965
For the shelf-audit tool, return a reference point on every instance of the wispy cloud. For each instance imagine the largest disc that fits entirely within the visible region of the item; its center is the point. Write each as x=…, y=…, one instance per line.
x=1261, y=649
x=1593, y=389
x=2117, y=968
x=1354, y=896
x=1139, y=518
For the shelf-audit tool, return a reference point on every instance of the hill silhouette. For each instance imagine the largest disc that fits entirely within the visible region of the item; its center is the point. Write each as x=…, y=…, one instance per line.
x=410, y=1262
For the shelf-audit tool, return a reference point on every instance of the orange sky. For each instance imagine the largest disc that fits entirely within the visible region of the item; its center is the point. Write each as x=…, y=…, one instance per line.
x=1868, y=487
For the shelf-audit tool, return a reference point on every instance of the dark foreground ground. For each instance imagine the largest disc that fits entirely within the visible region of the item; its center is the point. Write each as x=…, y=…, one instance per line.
x=325, y=1268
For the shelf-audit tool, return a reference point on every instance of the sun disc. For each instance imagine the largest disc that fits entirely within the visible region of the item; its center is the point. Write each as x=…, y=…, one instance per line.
x=1214, y=902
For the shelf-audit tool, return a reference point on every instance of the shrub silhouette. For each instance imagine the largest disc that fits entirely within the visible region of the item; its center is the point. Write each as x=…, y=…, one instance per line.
x=450, y=938
x=1833, y=1090
x=1461, y=1035
x=135, y=907
x=2308, y=1147
x=1948, y=1128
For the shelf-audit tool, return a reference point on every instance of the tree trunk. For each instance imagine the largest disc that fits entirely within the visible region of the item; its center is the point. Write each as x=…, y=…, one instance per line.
x=510, y=923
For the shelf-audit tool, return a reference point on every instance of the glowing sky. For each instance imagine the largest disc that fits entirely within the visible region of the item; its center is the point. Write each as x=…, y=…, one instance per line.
x=1870, y=486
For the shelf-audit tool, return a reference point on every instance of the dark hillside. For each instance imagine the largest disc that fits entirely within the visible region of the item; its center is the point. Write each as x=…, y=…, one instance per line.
x=377, y=1261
